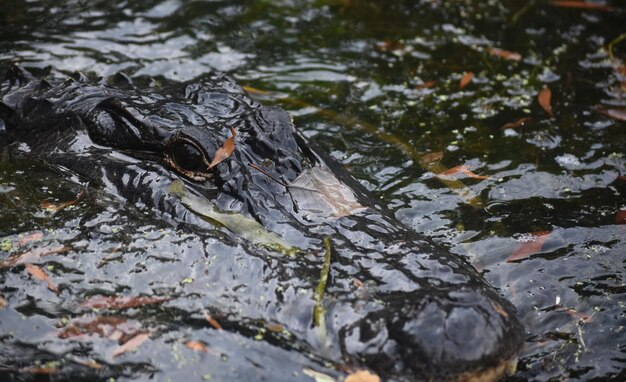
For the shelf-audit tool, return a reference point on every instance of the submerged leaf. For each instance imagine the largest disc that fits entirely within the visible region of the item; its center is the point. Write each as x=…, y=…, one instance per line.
x=114, y=302
x=41, y=275
x=516, y=124
x=616, y=114
x=426, y=85
x=545, y=98
x=529, y=248
x=225, y=151
x=467, y=78
x=507, y=55
x=462, y=170
x=54, y=208
x=131, y=344
x=112, y=327
x=32, y=255
x=247, y=228
x=318, y=191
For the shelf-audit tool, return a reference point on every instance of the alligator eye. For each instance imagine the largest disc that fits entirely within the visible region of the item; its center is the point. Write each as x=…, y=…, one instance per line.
x=187, y=157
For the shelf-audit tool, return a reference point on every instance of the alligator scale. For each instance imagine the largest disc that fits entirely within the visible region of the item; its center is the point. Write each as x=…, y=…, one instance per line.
x=422, y=312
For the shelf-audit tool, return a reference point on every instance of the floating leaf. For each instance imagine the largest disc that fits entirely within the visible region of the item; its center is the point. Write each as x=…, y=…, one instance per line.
x=41, y=275
x=114, y=302
x=516, y=124
x=620, y=217
x=317, y=376
x=54, y=208
x=616, y=114
x=467, y=78
x=225, y=151
x=247, y=228
x=131, y=344
x=318, y=191
x=362, y=376
x=462, y=170
x=529, y=248
x=582, y=5
x=507, y=55
x=544, y=97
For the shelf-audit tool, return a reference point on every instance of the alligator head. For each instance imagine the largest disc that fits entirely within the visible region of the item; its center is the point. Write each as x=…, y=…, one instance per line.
x=423, y=313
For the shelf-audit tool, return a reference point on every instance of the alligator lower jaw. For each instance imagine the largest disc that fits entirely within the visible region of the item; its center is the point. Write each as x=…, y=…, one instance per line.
x=493, y=374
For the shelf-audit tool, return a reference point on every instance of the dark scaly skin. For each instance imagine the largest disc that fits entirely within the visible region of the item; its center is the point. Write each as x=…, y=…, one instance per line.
x=423, y=313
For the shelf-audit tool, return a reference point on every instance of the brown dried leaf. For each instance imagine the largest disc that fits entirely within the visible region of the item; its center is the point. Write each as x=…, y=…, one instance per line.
x=114, y=302
x=54, y=208
x=225, y=151
x=111, y=327
x=31, y=256
x=426, y=85
x=461, y=170
x=131, y=344
x=212, y=321
x=430, y=158
x=516, y=124
x=388, y=46
x=41, y=275
x=467, y=78
x=507, y=55
x=33, y=236
x=544, y=97
x=197, y=346
x=620, y=217
x=582, y=5
x=362, y=376
x=3, y=303
x=39, y=370
x=616, y=114
x=529, y=248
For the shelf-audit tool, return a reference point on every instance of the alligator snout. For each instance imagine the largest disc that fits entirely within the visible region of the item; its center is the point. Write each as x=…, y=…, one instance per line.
x=439, y=336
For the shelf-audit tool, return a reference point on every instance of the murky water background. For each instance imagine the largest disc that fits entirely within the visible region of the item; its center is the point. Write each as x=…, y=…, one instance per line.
x=377, y=84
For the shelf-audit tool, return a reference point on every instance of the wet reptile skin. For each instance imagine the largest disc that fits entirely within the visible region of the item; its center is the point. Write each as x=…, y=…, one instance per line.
x=422, y=313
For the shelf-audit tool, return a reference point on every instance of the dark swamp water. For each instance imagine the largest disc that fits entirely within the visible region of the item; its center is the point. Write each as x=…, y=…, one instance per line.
x=376, y=83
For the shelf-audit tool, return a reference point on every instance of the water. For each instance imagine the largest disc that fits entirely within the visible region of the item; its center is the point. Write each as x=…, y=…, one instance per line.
x=377, y=84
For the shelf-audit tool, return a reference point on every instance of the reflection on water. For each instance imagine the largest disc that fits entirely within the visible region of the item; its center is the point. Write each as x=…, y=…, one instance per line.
x=552, y=190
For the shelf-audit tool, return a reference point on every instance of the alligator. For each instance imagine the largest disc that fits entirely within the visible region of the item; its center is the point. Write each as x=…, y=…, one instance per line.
x=418, y=312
